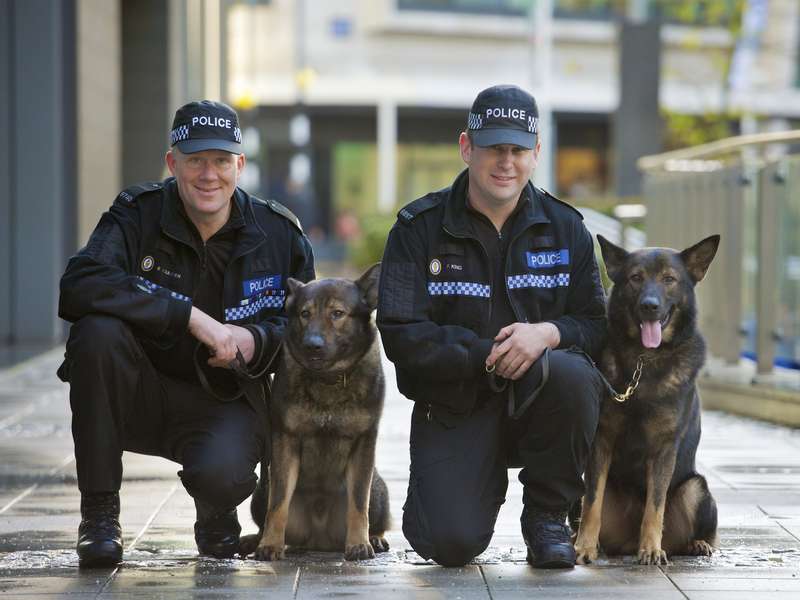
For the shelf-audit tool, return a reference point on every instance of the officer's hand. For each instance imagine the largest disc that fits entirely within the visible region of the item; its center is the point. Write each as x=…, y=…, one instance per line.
x=519, y=345
x=244, y=341
x=217, y=337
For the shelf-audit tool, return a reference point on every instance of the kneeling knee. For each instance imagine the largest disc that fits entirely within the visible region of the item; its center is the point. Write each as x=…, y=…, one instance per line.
x=576, y=381
x=457, y=550
x=98, y=335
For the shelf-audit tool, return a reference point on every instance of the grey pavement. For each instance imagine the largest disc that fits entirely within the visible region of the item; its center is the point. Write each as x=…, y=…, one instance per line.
x=753, y=469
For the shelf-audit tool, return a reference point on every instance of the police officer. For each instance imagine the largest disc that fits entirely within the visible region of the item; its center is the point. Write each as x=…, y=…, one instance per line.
x=177, y=310
x=491, y=308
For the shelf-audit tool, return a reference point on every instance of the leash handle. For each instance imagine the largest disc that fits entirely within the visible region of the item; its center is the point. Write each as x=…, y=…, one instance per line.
x=516, y=414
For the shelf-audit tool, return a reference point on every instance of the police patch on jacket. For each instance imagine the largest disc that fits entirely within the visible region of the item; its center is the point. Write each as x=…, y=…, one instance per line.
x=259, y=284
x=547, y=259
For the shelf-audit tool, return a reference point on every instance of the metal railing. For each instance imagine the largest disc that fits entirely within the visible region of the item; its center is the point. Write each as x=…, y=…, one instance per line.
x=748, y=190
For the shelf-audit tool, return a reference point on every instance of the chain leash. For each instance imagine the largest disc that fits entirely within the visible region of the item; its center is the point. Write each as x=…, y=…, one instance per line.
x=637, y=375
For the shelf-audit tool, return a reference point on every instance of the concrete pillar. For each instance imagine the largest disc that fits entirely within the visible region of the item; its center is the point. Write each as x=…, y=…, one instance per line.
x=387, y=155
x=637, y=123
x=6, y=145
x=543, y=175
x=541, y=64
x=40, y=151
x=146, y=115
x=99, y=111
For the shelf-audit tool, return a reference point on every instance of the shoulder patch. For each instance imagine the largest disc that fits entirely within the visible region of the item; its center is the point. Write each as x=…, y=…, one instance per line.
x=567, y=204
x=409, y=212
x=130, y=194
x=279, y=209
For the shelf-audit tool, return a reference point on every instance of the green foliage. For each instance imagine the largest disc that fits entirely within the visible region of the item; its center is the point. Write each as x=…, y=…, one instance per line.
x=368, y=248
x=682, y=131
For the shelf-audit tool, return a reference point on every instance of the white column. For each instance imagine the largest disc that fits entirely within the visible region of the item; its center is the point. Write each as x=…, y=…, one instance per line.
x=541, y=61
x=387, y=155
x=212, y=30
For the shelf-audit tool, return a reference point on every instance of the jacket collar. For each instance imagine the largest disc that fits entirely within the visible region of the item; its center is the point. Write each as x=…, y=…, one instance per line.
x=176, y=224
x=456, y=219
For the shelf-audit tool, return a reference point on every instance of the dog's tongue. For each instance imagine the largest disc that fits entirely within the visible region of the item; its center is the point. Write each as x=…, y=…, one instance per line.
x=651, y=334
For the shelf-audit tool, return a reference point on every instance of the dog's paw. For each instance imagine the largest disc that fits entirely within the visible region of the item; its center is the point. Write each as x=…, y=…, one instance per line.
x=585, y=554
x=379, y=543
x=267, y=552
x=652, y=556
x=359, y=552
x=700, y=548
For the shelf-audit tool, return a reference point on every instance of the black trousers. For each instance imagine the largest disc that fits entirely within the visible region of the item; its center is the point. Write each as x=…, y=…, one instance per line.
x=121, y=402
x=459, y=474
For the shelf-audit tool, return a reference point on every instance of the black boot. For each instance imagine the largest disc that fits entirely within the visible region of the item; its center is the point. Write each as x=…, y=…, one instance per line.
x=548, y=539
x=99, y=534
x=216, y=531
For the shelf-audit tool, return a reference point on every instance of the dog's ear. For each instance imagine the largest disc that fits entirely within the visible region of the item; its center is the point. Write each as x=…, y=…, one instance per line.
x=698, y=258
x=294, y=286
x=368, y=284
x=613, y=256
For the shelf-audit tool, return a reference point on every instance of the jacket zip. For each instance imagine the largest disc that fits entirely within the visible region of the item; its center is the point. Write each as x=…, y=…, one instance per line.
x=505, y=276
x=491, y=280
x=201, y=256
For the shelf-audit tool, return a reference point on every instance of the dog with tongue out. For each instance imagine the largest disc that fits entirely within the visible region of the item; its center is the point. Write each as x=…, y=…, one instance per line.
x=643, y=494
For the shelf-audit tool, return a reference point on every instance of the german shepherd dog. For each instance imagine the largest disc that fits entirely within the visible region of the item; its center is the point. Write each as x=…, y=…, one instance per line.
x=643, y=494
x=324, y=491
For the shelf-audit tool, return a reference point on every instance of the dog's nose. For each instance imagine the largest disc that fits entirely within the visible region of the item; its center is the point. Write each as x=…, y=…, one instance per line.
x=314, y=342
x=649, y=304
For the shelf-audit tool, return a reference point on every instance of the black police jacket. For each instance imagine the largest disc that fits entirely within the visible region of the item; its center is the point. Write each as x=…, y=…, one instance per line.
x=141, y=266
x=436, y=297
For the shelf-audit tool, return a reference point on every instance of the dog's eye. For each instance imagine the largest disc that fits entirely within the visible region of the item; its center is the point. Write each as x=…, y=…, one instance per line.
x=637, y=278
x=337, y=314
x=669, y=279
x=305, y=313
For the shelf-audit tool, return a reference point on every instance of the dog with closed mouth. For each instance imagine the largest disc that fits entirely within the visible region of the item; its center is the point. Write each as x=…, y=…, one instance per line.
x=324, y=491
x=643, y=494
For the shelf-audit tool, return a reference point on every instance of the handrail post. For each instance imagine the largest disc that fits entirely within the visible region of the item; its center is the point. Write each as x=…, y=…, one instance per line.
x=770, y=189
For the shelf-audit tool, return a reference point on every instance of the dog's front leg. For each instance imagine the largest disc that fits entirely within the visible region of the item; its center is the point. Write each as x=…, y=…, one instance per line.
x=586, y=544
x=283, y=472
x=359, y=482
x=660, y=467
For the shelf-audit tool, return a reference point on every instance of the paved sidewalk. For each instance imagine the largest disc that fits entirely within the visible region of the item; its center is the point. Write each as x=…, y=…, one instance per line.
x=753, y=469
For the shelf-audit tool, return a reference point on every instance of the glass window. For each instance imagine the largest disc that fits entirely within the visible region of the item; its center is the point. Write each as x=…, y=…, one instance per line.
x=491, y=7
x=588, y=9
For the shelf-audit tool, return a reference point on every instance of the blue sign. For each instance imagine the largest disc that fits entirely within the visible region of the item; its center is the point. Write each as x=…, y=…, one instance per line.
x=548, y=259
x=254, y=286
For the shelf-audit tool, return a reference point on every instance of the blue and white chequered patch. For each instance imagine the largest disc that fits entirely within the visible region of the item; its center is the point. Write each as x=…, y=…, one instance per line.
x=458, y=288
x=151, y=288
x=474, y=121
x=179, y=134
x=539, y=281
x=250, y=306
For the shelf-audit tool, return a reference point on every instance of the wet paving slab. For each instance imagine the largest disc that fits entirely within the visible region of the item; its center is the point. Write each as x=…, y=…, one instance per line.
x=753, y=470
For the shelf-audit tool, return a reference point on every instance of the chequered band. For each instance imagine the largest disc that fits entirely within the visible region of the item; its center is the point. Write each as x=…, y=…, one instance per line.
x=539, y=281
x=251, y=306
x=458, y=288
x=179, y=134
x=237, y=133
x=151, y=288
x=474, y=121
x=533, y=124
